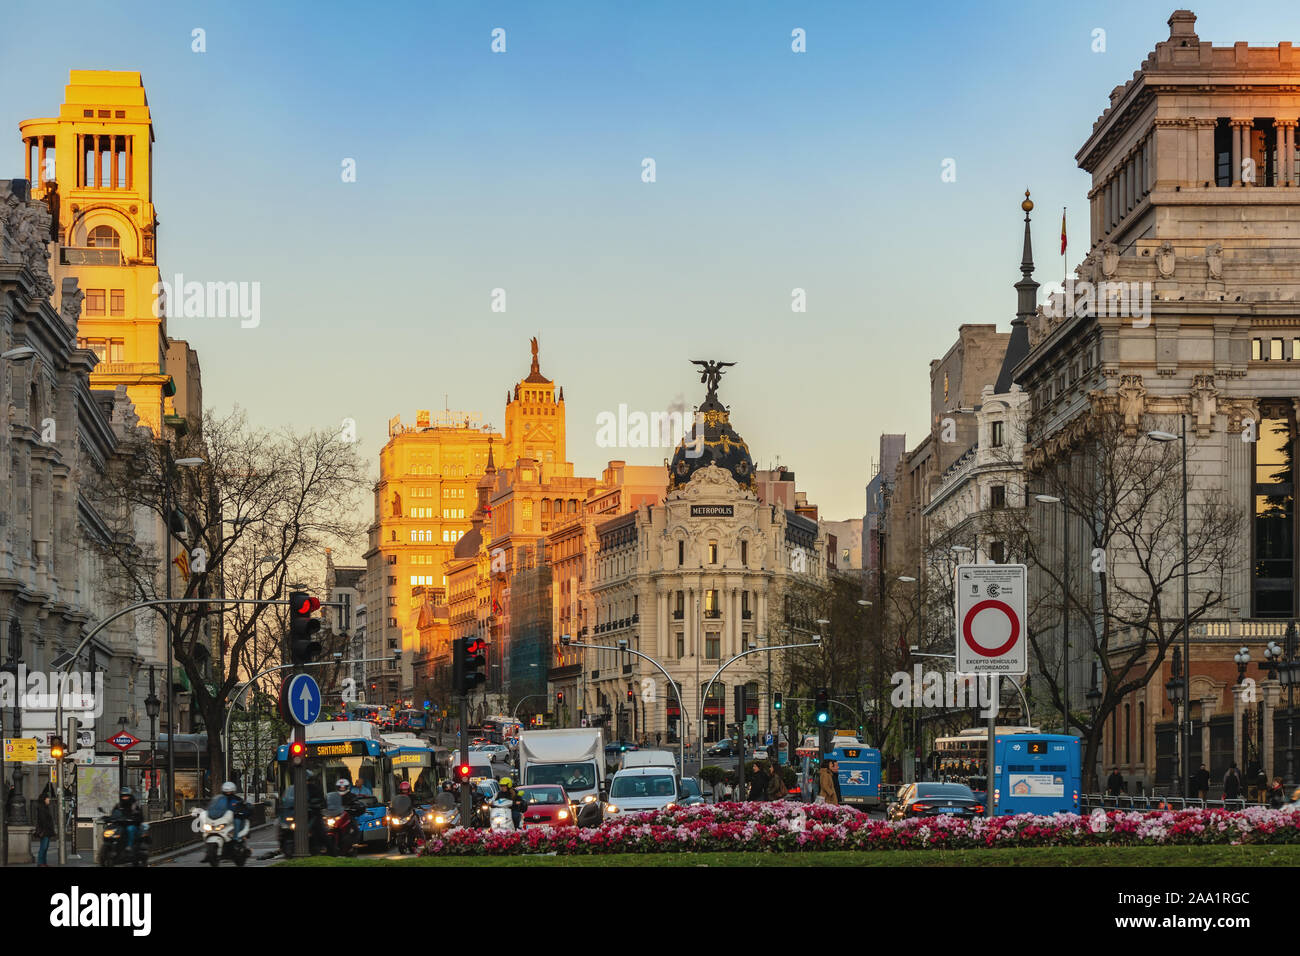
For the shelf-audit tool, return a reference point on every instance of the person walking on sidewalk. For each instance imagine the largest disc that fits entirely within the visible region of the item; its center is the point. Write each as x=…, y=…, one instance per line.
x=44, y=828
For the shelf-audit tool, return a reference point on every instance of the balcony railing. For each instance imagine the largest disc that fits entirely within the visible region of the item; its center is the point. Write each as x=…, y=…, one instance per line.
x=678, y=614
x=127, y=368
x=715, y=613
x=746, y=615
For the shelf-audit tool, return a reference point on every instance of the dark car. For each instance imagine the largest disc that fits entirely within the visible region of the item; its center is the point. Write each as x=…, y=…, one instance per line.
x=725, y=747
x=691, y=793
x=618, y=747
x=934, y=800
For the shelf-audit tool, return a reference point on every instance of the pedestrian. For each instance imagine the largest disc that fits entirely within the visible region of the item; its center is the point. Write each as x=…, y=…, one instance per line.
x=828, y=783
x=1256, y=781
x=1201, y=782
x=44, y=828
x=757, y=783
x=776, y=784
x=1115, y=784
x=1275, y=798
x=658, y=735
x=1232, y=783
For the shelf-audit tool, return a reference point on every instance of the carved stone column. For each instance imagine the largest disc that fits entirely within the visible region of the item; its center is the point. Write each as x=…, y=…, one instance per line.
x=1238, y=712
x=1240, y=147
x=1285, y=151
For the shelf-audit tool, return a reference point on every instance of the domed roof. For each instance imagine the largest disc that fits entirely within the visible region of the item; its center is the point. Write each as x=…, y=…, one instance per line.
x=720, y=445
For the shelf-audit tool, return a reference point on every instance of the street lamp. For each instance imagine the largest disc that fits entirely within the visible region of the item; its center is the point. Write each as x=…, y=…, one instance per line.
x=1242, y=660
x=171, y=650
x=1176, y=690
x=1065, y=606
x=1288, y=672
x=1162, y=436
x=151, y=707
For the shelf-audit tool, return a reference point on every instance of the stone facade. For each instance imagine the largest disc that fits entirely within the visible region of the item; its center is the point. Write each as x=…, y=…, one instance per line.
x=1195, y=264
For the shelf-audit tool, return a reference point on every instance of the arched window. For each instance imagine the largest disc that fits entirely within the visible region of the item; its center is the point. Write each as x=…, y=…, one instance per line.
x=104, y=237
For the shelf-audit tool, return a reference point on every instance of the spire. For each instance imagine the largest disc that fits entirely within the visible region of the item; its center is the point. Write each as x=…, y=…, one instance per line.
x=491, y=468
x=1026, y=306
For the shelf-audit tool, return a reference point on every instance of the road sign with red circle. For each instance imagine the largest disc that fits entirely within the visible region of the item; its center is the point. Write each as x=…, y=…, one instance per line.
x=123, y=741
x=991, y=619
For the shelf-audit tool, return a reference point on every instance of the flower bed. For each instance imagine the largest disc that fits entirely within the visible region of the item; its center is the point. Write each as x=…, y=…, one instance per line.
x=796, y=827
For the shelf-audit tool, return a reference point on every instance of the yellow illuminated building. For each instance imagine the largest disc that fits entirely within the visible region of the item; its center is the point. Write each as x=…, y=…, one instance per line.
x=424, y=500
x=92, y=165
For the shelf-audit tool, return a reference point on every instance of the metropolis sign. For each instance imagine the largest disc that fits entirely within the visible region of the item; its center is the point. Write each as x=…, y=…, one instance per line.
x=712, y=511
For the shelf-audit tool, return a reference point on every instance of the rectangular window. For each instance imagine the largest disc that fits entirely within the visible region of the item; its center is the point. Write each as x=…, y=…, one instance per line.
x=1256, y=349
x=1275, y=350
x=681, y=646
x=744, y=554
x=997, y=552
x=998, y=496
x=1274, y=495
x=100, y=348
x=713, y=552
x=995, y=434
x=712, y=607
x=1128, y=733
x=94, y=302
x=117, y=302
x=712, y=647
x=1295, y=350
x=1142, y=732
x=681, y=553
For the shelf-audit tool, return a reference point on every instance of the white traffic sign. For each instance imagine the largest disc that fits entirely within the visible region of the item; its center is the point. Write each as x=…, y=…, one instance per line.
x=991, y=619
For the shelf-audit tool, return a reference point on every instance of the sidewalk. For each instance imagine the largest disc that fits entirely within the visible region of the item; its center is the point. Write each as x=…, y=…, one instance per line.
x=85, y=858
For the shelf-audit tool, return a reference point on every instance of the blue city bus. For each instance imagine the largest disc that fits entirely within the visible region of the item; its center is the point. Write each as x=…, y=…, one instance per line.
x=1036, y=773
x=344, y=750
x=859, y=773
x=414, y=719
x=405, y=759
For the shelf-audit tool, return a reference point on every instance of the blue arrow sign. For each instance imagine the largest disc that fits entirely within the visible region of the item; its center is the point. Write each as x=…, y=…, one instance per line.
x=304, y=699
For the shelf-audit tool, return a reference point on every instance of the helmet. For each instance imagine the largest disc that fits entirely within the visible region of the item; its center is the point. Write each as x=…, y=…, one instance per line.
x=342, y=784
x=404, y=787
x=228, y=787
x=507, y=782
x=125, y=792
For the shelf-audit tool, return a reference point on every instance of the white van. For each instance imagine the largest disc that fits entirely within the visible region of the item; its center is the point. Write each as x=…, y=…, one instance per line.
x=634, y=789
x=649, y=758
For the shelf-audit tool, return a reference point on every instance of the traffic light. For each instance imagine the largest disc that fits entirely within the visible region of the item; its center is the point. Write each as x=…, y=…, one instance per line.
x=469, y=657
x=629, y=695
x=427, y=705
x=776, y=701
x=56, y=748
x=822, y=706
x=559, y=697
x=304, y=646
x=462, y=772
x=297, y=752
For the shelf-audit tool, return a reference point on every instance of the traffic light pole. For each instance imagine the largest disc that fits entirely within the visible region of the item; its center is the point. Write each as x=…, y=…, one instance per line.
x=466, y=804
x=301, y=825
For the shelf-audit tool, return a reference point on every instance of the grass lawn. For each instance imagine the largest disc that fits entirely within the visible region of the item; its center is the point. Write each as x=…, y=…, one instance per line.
x=1288, y=855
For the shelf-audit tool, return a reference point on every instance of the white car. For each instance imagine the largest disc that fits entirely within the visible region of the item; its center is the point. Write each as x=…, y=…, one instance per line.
x=498, y=753
x=642, y=788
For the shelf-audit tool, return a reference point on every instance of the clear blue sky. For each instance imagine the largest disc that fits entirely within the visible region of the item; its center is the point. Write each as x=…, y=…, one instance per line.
x=522, y=171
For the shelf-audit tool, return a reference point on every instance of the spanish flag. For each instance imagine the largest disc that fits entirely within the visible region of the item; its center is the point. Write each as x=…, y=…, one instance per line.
x=182, y=562
x=1062, y=230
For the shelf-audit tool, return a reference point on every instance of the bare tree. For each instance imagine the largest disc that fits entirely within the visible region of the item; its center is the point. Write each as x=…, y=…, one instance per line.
x=1122, y=495
x=253, y=520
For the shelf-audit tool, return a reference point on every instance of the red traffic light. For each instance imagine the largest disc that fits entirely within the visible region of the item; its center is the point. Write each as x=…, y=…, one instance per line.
x=559, y=697
x=463, y=771
x=308, y=605
x=297, y=752
x=629, y=695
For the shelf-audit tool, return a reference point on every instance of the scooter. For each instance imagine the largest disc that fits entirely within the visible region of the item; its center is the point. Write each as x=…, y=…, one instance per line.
x=341, y=831
x=219, y=834
x=501, y=815
x=315, y=833
x=113, y=851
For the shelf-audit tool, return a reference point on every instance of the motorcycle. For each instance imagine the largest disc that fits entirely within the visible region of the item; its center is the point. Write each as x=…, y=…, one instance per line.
x=218, y=832
x=113, y=851
x=315, y=834
x=403, y=822
x=443, y=815
x=501, y=815
x=341, y=831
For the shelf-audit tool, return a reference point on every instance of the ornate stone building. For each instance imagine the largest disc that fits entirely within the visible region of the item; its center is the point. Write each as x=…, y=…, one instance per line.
x=691, y=582
x=1192, y=312
x=58, y=435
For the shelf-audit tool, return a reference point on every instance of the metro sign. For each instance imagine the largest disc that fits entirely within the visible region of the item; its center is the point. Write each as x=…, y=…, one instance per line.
x=123, y=741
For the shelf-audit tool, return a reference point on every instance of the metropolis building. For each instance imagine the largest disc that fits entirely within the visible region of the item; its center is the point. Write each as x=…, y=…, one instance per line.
x=692, y=582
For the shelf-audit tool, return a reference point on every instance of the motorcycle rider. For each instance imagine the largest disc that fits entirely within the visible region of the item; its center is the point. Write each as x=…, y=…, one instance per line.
x=128, y=811
x=404, y=804
x=517, y=803
x=236, y=804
